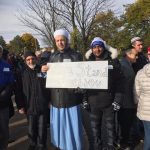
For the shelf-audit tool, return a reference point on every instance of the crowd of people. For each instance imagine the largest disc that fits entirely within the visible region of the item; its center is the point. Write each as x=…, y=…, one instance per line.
x=115, y=118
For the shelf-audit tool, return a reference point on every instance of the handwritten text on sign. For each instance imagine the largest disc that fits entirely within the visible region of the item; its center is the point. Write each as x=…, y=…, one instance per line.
x=87, y=75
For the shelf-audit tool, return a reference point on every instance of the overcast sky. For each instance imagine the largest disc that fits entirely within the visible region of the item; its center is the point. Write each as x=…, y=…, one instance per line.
x=10, y=26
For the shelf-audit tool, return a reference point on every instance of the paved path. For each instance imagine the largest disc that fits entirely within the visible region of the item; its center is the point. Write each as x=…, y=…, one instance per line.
x=18, y=133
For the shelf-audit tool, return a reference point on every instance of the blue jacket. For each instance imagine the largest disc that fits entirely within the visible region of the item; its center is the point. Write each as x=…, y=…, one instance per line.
x=6, y=82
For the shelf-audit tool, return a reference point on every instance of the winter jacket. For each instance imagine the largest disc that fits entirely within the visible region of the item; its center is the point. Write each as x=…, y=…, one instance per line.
x=104, y=98
x=142, y=93
x=140, y=62
x=35, y=94
x=128, y=83
x=63, y=98
x=6, y=84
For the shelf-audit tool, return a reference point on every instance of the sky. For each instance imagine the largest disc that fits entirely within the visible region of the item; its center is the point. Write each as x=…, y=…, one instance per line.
x=10, y=26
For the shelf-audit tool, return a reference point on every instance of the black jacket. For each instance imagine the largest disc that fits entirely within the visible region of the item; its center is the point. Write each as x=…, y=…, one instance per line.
x=104, y=98
x=35, y=94
x=65, y=97
x=129, y=77
x=140, y=62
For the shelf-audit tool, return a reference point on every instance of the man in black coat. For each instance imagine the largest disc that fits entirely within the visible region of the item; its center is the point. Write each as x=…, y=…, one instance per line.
x=127, y=113
x=36, y=102
x=102, y=101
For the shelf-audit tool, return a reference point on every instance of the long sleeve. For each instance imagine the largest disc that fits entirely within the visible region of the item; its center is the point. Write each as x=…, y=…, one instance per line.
x=137, y=88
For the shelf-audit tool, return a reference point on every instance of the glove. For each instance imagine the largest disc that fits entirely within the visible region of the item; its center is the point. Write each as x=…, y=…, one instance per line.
x=78, y=90
x=116, y=106
x=86, y=106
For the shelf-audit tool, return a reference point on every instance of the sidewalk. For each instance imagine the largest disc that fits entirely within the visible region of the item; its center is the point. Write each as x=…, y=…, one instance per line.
x=18, y=132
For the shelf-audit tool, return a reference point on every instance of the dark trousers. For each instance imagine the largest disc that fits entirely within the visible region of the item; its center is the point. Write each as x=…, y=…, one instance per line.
x=4, y=129
x=87, y=127
x=126, y=118
x=37, y=129
x=137, y=130
x=102, y=123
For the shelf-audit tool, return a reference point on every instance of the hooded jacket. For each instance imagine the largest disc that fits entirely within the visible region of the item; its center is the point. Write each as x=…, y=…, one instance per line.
x=142, y=93
x=104, y=98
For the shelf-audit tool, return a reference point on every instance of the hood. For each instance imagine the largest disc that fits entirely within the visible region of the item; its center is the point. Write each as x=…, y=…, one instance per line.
x=113, y=51
x=146, y=70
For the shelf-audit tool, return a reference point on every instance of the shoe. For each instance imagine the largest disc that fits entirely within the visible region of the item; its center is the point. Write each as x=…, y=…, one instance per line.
x=11, y=140
x=31, y=147
x=124, y=147
x=109, y=147
x=41, y=148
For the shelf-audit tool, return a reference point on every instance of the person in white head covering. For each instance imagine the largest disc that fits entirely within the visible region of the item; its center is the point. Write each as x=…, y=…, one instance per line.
x=62, y=39
x=65, y=117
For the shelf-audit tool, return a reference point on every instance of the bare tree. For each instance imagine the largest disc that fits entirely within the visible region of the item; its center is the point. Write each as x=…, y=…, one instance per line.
x=79, y=16
x=45, y=16
x=85, y=14
x=40, y=17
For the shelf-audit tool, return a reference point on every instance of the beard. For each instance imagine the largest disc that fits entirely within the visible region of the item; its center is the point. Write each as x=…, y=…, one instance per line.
x=31, y=66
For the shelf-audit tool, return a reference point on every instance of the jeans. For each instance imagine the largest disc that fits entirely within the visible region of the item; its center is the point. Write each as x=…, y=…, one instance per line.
x=147, y=135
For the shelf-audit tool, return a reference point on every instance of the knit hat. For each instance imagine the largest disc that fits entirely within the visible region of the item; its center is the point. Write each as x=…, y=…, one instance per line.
x=135, y=39
x=62, y=32
x=97, y=41
x=29, y=53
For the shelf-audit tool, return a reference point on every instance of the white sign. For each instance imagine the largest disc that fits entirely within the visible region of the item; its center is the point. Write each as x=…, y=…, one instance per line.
x=86, y=75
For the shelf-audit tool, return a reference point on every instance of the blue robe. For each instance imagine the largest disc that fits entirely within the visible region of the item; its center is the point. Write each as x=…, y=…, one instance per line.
x=66, y=128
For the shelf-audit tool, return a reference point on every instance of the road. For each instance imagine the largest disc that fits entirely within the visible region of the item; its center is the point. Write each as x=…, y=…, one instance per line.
x=18, y=133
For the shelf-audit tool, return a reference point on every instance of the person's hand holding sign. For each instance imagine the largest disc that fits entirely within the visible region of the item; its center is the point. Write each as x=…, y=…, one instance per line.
x=44, y=68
